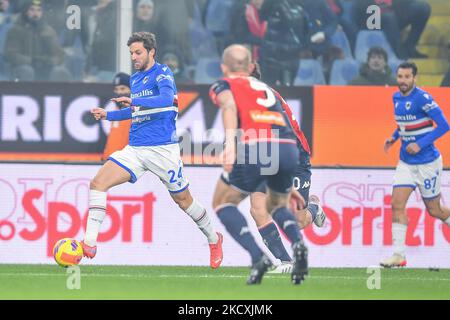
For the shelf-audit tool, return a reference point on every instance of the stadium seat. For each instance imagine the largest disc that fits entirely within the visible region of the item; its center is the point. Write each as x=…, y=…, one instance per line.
x=348, y=9
x=340, y=40
x=202, y=42
x=75, y=60
x=393, y=65
x=207, y=70
x=309, y=73
x=368, y=39
x=343, y=71
x=218, y=14
x=105, y=76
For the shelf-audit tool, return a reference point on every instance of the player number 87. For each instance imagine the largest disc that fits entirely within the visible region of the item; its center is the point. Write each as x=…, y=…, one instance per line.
x=430, y=183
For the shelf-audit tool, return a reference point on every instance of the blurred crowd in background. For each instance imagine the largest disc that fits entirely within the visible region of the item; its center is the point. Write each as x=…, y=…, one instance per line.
x=296, y=42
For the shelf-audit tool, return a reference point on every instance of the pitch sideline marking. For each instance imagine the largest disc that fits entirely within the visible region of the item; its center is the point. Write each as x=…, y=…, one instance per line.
x=123, y=275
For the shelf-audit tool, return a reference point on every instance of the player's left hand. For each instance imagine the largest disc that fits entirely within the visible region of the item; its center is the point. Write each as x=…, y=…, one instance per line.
x=124, y=101
x=413, y=148
x=296, y=200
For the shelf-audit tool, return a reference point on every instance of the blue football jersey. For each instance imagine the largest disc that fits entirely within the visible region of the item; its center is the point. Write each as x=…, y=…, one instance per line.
x=153, y=114
x=414, y=116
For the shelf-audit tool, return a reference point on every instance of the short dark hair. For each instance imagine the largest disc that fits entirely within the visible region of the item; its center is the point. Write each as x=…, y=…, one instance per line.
x=379, y=51
x=148, y=39
x=408, y=65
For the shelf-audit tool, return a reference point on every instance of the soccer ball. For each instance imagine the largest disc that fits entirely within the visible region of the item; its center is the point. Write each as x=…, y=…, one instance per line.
x=67, y=252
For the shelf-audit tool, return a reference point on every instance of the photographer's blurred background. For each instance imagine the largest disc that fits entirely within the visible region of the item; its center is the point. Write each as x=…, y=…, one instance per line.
x=297, y=42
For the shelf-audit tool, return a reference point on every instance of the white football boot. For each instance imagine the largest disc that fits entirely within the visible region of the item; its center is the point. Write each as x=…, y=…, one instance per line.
x=283, y=267
x=395, y=261
x=320, y=216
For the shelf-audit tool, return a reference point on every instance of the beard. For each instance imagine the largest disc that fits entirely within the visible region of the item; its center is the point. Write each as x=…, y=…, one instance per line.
x=144, y=65
x=406, y=89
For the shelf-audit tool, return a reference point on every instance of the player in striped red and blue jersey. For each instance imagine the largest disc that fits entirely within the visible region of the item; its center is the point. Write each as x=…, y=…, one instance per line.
x=420, y=163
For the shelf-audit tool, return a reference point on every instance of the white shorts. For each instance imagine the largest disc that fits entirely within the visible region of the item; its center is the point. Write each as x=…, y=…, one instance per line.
x=164, y=161
x=426, y=176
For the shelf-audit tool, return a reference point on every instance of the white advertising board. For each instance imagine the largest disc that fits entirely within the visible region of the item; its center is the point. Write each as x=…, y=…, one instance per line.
x=41, y=203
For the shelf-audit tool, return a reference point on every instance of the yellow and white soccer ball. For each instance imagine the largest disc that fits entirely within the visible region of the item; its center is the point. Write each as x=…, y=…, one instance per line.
x=67, y=252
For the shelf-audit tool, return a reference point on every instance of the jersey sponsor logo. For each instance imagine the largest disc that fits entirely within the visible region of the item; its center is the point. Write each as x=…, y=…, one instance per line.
x=269, y=117
x=406, y=117
x=140, y=119
x=408, y=105
x=141, y=94
x=164, y=69
x=145, y=80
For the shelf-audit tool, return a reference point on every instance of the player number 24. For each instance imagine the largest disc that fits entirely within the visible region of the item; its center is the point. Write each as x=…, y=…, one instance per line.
x=172, y=175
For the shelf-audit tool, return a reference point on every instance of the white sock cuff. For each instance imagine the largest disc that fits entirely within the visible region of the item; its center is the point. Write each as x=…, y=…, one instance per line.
x=195, y=209
x=97, y=198
x=399, y=227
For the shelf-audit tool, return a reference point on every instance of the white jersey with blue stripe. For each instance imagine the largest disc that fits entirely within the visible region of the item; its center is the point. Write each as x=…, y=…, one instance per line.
x=414, y=115
x=154, y=107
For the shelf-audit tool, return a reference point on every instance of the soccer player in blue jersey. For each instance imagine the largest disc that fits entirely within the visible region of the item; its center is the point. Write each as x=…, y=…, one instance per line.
x=420, y=162
x=153, y=146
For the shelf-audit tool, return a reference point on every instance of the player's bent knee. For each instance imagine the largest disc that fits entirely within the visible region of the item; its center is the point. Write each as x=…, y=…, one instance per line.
x=435, y=213
x=434, y=209
x=96, y=184
x=217, y=200
x=260, y=216
x=398, y=208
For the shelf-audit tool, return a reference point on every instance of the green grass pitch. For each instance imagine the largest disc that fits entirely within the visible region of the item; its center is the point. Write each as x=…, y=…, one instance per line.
x=192, y=283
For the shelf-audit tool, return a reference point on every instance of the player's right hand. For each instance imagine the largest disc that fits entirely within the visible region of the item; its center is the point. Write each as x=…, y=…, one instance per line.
x=388, y=143
x=99, y=113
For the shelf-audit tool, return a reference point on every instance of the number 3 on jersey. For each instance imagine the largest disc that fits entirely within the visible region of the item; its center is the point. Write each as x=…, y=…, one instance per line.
x=270, y=99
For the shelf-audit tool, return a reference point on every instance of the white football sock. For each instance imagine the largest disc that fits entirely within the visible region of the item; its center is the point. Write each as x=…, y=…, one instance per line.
x=97, y=212
x=399, y=237
x=447, y=221
x=198, y=213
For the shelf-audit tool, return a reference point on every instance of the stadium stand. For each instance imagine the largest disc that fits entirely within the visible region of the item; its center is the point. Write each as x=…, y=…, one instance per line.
x=433, y=42
x=339, y=39
x=343, y=71
x=309, y=73
x=207, y=70
x=373, y=38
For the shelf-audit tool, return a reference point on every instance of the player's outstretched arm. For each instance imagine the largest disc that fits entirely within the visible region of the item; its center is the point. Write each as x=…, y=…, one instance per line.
x=123, y=101
x=118, y=115
x=99, y=113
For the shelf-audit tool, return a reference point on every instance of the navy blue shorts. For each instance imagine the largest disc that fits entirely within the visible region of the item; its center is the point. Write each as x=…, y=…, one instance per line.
x=271, y=170
x=301, y=180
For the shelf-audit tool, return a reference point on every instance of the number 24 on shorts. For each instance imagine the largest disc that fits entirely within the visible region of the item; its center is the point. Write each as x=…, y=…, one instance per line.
x=172, y=175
